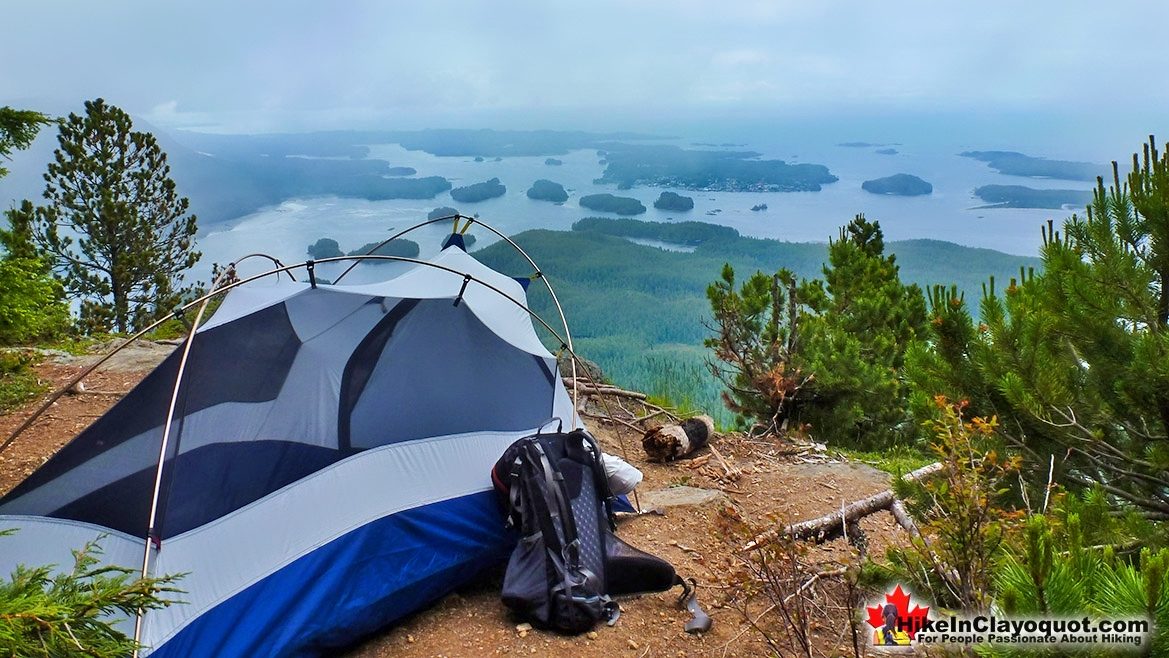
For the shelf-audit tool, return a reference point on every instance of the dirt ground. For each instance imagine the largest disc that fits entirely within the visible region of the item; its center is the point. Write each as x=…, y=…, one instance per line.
x=776, y=484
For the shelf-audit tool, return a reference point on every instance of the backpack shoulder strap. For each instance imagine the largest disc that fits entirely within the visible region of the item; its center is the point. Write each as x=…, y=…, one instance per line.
x=553, y=505
x=585, y=449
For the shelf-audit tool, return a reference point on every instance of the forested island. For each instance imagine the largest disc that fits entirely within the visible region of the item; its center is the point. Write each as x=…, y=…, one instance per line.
x=546, y=190
x=325, y=248
x=401, y=171
x=759, y=207
x=329, y=248
x=441, y=211
x=553, y=162
x=1018, y=164
x=898, y=185
x=400, y=247
x=224, y=187
x=709, y=171
x=1019, y=196
x=886, y=151
x=479, y=191
x=621, y=205
x=672, y=201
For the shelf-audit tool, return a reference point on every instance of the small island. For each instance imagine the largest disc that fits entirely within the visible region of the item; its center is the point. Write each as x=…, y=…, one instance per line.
x=401, y=247
x=669, y=166
x=553, y=162
x=759, y=207
x=478, y=158
x=442, y=211
x=886, y=151
x=1018, y=196
x=325, y=248
x=401, y=171
x=479, y=191
x=546, y=190
x=1018, y=164
x=898, y=185
x=863, y=145
x=672, y=201
x=621, y=205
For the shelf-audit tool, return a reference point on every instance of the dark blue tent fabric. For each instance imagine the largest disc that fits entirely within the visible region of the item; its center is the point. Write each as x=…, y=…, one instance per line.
x=455, y=240
x=353, y=585
x=267, y=336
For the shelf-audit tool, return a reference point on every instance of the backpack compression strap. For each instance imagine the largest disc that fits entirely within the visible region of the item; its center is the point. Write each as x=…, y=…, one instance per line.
x=569, y=552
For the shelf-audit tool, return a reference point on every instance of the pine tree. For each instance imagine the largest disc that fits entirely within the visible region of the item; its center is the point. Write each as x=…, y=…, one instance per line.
x=859, y=322
x=17, y=130
x=120, y=235
x=71, y=613
x=32, y=305
x=755, y=346
x=821, y=352
x=1075, y=360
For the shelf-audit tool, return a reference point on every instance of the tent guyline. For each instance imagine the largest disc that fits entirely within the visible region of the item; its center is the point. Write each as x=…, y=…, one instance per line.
x=176, y=314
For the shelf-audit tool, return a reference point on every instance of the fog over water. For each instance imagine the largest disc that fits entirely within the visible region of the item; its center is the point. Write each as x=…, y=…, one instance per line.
x=951, y=213
x=1064, y=80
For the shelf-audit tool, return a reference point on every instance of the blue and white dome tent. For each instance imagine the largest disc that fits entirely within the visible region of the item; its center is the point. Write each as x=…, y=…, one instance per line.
x=315, y=458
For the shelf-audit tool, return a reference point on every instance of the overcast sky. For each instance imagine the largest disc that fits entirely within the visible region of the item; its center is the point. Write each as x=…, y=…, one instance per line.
x=294, y=64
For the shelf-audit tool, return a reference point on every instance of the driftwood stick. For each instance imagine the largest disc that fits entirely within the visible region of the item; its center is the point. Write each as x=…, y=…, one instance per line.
x=732, y=473
x=831, y=526
x=652, y=414
x=901, y=515
x=606, y=417
x=591, y=388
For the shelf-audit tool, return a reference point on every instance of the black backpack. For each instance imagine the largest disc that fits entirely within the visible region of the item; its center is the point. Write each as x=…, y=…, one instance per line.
x=568, y=562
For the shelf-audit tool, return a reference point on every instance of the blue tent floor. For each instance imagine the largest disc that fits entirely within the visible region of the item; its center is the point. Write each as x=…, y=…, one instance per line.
x=472, y=622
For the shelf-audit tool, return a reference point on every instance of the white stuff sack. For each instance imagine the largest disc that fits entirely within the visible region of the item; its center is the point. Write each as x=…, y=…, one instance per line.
x=622, y=476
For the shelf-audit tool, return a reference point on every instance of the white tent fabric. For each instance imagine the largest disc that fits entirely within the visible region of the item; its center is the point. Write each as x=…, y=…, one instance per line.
x=329, y=468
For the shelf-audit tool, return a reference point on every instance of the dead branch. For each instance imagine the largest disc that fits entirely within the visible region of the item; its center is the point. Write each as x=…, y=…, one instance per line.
x=732, y=473
x=831, y=526
x=901, y=515
x=587, y=387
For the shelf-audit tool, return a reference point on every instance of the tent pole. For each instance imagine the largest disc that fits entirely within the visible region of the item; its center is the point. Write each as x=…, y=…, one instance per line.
x=166, y=429
x=109, y=355
x=285, y=269
x=202, y=302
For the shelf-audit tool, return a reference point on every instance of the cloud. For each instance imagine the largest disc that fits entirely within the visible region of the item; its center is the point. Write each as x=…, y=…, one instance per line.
x=291, y=63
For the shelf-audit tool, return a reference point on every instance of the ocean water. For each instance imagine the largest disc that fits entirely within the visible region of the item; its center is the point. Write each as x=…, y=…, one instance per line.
x=950, y=213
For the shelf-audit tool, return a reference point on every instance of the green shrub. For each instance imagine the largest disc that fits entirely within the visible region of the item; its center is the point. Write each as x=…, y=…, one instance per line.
x=18, y=384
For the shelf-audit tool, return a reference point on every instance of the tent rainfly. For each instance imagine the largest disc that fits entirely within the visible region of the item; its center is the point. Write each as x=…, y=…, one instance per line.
x=326, y=470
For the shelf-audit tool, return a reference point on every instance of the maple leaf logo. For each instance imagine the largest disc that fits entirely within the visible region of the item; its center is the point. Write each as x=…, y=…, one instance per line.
x=895, y=615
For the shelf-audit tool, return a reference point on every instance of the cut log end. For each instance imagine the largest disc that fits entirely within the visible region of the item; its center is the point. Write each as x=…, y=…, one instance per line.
x=668, y=442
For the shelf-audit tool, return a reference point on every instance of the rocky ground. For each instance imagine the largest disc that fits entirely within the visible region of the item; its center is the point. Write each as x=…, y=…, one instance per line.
x=769, y=481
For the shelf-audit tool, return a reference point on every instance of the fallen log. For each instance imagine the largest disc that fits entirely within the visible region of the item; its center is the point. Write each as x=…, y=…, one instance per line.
x=669, y=442
x=831, y=526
